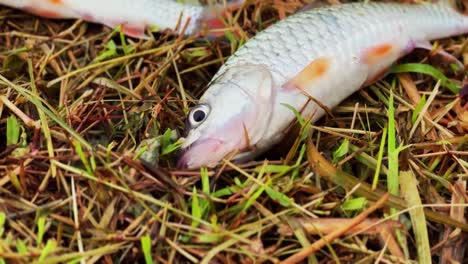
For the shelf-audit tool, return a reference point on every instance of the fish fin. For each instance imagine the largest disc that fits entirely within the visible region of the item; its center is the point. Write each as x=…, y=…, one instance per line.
x=135, y=30
x=441, y=54
x=214, y=16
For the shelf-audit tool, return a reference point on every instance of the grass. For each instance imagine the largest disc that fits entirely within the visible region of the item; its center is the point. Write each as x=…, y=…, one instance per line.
x=89, y=127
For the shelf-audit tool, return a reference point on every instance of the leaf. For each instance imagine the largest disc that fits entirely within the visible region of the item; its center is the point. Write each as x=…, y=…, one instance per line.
x=166, y=142
x=21, y=246
x=109, y=51
x=40, y=229
x=50, y=246
x=13, y=130
x=354, y=204
x=196, y=210
x=277, y=196
x=2, y=223
x=146, y=247
x=297, y=114
x=342, y=150
x=82, y=155
x=418, y=108
x=205, y=178
x=107, y=215
x=273, y=168
x=253, y=198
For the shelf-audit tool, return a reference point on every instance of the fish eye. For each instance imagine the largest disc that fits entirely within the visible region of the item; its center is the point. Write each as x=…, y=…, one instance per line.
x=198, y=114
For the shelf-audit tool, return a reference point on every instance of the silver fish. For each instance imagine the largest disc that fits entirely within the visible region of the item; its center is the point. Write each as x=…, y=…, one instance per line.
x=326, y=54
x=133, y=15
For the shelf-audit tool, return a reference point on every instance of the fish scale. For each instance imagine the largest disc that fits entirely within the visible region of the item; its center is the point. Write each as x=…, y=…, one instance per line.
x=311, y=59
x=134, y=15
x=324, y=30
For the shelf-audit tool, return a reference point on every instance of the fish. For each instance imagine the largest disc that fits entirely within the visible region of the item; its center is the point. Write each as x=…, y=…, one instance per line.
x=311, y=61
x=134, y=16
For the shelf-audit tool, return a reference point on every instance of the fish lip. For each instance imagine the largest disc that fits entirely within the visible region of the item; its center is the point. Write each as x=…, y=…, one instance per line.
x=183, y=157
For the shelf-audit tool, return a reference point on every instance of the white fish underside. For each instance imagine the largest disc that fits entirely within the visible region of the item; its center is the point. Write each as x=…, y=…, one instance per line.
x=342, y=35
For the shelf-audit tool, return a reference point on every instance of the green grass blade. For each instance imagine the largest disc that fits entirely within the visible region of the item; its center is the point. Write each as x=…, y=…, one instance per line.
x=378, y=166
x=392, y=176
x=146, y=247
x=49, y=247
x=40, y=229
x=429, y=70
x=30, y=97
x=196, y=209
x=417, y=109
x=2, y=223
x=13, y=130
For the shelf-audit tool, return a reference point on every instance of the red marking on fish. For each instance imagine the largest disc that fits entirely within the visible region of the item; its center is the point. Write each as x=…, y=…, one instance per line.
x=42, y=12
x=376, y=53
x=315, y=70
x=56, y=2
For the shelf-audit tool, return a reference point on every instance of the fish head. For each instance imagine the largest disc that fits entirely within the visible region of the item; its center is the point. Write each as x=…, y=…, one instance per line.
x=232, y=116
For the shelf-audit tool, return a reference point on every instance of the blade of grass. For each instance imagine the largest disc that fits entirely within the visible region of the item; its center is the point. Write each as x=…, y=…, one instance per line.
x=375, y=180
x=40, y=229
x=392, y=175
x=429, y=70
x=410, y=192
x=146, y=247
x=326, y=170
x=49, y=247
x=30, y=97
x=44, y=121
x=13, y=130
x=303, y=253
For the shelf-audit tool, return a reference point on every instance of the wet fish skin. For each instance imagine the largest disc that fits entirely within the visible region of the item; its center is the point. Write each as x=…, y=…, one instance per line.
x=325, y=54
x=134, y=15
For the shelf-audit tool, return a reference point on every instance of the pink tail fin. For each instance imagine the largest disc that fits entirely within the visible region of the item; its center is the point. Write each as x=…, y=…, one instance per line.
x=214, y=17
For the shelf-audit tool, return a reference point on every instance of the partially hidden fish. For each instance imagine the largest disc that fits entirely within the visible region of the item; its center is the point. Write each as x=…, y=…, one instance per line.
x=323, y=54
x=133, y=15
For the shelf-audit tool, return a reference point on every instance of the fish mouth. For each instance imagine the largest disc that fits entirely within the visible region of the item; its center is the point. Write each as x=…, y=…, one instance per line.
x=200, y=153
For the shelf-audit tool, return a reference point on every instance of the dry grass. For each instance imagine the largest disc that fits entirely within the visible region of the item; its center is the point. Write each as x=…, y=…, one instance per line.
x=80, y=105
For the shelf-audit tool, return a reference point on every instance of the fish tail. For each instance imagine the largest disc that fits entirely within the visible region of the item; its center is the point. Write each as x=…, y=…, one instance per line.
x=214, y=16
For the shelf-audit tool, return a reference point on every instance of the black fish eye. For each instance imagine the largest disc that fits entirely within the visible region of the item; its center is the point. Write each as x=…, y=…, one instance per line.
x=198, y=114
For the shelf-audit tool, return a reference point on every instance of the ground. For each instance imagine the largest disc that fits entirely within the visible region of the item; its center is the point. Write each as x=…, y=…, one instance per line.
x=89, y=121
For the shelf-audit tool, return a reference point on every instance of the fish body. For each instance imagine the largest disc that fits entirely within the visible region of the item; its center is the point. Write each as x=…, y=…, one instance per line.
x=133, y=15
x=323, y=55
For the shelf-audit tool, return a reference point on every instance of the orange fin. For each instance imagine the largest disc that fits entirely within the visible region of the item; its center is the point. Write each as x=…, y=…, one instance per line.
x=315, y=70
x=135, y=30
